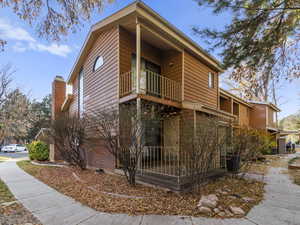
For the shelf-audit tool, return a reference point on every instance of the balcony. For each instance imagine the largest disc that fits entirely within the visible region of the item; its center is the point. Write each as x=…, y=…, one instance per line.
x=151, y=84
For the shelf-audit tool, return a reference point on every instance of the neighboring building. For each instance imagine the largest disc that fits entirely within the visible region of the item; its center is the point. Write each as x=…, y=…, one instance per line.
x=257, y=115
x=137, y=56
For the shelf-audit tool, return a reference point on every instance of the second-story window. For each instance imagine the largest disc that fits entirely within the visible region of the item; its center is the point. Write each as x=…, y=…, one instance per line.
x=99, y=61
x=211, y=80
x=80, y=93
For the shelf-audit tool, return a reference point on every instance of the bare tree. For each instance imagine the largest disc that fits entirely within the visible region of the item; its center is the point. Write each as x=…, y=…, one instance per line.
x=6, y=72
x=202, y=155
x=122, y=132
x=69, y=134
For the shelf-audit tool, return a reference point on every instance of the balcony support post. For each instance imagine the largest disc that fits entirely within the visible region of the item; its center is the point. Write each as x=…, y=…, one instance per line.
x=138, y=78
x=138, y=56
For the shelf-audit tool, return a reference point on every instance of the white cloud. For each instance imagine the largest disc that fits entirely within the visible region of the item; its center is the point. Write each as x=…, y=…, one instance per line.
x=25, y=42
x=60, y=50
x=8, y=31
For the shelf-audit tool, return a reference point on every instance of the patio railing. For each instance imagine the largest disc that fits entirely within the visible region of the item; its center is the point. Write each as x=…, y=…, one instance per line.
x=151, y=84
x=169, y=161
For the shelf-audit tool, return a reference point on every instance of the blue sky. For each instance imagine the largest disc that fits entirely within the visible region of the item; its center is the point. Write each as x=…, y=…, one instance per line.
x=37, y=61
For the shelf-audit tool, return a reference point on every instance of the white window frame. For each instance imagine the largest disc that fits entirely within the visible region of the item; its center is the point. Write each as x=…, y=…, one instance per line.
x=211, y=80
x=98, y=63
x=80, y=93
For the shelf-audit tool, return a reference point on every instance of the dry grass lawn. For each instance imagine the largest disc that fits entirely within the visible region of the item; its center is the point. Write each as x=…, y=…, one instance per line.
x=5, y=194
x=111, y=193
x=2, y=159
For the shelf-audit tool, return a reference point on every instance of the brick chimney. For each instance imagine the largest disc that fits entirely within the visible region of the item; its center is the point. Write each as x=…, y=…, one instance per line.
x=58, y=98
x=58, y=95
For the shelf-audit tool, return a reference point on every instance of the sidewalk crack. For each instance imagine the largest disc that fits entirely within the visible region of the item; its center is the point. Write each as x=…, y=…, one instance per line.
x=251, y=221
x=142, y=218
x=96, y=213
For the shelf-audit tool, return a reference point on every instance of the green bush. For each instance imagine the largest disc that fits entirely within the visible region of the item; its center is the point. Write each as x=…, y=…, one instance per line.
x=268, y=147
x=38, y=150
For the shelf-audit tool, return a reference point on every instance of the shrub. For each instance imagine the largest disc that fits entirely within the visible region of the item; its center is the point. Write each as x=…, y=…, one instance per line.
x=38, y=150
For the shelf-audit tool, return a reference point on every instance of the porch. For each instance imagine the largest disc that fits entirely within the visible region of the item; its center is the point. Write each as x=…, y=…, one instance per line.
x=168, y=158
x=167, y=167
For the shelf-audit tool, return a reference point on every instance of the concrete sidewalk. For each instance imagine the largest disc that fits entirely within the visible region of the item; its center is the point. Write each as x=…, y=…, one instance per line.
x=281, y=206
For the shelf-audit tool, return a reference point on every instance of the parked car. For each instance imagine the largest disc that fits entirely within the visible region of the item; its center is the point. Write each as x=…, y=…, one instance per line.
x=14, y=148
x=20, y=148
x=9, y=148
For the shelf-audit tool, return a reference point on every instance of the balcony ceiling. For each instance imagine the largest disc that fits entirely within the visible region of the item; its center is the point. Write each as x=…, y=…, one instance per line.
x=149, y=37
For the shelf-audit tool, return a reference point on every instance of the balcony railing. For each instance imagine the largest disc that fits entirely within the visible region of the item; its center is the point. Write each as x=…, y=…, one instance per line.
x=151, y=84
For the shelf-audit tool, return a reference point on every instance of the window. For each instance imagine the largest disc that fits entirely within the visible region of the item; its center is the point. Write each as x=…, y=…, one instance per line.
x=211, y=80
x=274, y=117
x=98, y=63
x=80, y=93
x=69, y=89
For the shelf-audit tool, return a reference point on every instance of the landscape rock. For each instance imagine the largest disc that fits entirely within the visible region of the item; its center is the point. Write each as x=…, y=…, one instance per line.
x=209, y=201
x=213, y=197
x=216, y=210
x=205, y=210
x=221, y=208
x=222, y=214
x=236, y=210
x=228, y=213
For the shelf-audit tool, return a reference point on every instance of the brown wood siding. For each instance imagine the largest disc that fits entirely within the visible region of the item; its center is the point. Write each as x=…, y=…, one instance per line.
x=244, y=115
x=258, y=117
x=225, y=104
x=73, y=108
x=172, y=65
x=196, y=82
x=100, y=89
x=271, y=121
x=128, y=47
x=101, y=86
x=186, y=130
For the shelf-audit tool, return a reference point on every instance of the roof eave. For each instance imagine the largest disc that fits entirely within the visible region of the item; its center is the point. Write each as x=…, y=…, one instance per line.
x=205, y=54
x=132, y=8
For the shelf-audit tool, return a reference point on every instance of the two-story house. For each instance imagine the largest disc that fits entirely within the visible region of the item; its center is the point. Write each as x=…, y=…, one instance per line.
x=137, y=56
x=257, y=115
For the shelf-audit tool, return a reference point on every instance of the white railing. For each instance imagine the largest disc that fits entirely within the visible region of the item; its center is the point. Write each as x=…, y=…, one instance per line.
x=152, y=84
x=127, y=83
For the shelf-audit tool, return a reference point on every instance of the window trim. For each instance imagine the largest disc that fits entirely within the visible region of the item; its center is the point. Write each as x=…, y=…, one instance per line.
x=211, y=80
x=95, y=62
x=80, y=93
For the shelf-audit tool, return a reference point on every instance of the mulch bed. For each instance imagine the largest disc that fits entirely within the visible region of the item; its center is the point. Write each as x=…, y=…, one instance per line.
x=95, y=190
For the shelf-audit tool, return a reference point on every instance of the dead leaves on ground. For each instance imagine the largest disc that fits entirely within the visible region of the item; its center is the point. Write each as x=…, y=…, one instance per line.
x=90, y=189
